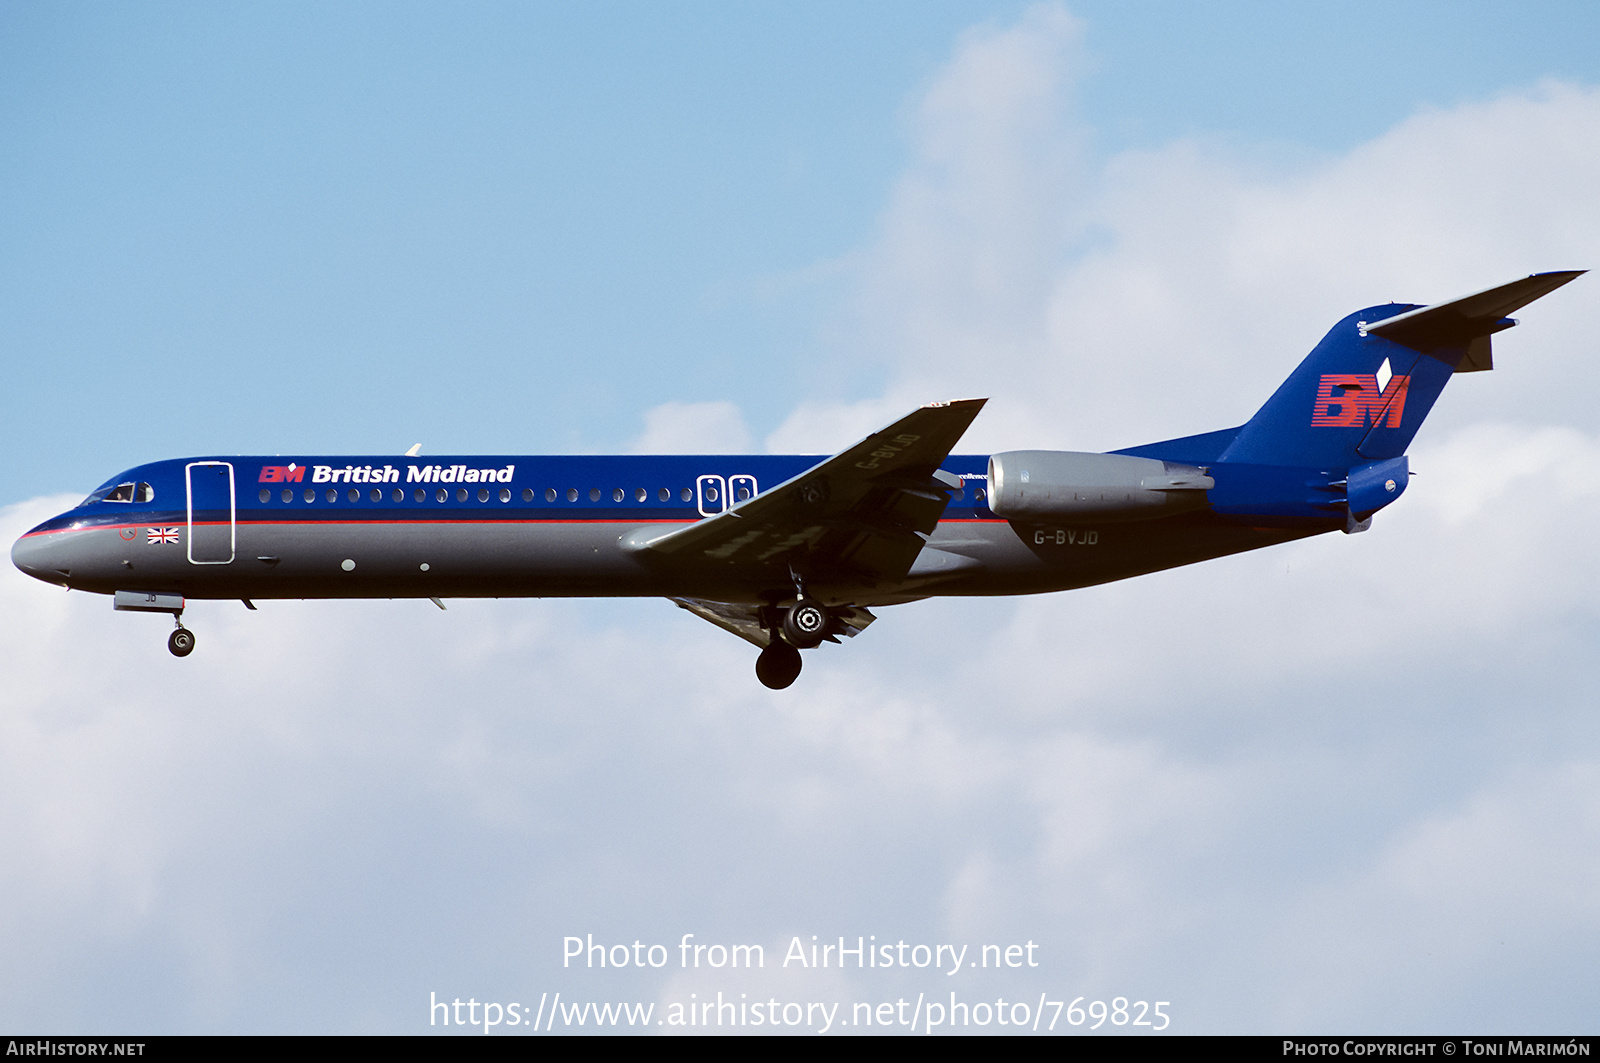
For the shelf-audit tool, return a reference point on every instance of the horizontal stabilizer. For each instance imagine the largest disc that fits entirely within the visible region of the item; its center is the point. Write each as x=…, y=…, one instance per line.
x=1470, y=320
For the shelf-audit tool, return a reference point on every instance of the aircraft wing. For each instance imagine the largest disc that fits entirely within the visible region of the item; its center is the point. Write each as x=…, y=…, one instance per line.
x=745, y=620
x=856, y=516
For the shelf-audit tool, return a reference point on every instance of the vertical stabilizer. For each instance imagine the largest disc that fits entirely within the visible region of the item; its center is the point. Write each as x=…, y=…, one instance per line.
x=1363, y=392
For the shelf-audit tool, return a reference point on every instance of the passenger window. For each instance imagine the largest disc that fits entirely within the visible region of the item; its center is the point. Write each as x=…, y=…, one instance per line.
x=744, y=493
x=355, y=494
x=977, y=495
x=442, y=494
x=505, y=494
x=549, y=494
x=618, y=495
x=266, y=494
x=145, y=493
x=288, y=494
x=311, y=494
x=665, y=494
x=419, y=494
x=461, y=494
x=594, y=494
x=483, y=494
x=332, y=495
x=399, y=494
x=640, y=495
x=687, y=494
x=377, y=494
x=572, y=494
x=527, y=494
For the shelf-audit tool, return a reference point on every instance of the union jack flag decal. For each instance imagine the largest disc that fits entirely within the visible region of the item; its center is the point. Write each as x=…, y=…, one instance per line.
x=163, y=535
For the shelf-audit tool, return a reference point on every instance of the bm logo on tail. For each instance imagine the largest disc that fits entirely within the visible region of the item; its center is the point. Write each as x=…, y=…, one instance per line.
x=1356, y=400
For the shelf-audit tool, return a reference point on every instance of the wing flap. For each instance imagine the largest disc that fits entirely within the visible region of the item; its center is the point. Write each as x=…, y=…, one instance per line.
x=742, y=620
x=746, y=622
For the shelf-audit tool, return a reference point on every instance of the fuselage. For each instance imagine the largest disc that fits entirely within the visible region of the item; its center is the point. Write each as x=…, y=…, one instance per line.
x=786, y=552
x=519, y=526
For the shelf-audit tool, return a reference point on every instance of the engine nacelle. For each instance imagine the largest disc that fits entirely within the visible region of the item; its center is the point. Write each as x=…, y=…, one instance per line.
x=1066, y=486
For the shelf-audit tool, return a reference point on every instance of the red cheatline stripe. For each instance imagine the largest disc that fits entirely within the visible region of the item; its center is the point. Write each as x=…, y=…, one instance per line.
x=461, y=520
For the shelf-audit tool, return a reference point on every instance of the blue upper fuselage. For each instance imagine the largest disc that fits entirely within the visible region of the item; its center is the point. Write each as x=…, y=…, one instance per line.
x=636, y=488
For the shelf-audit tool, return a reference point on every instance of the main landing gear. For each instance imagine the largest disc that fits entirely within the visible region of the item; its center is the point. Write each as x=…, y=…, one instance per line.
x=804, y=625
x=181, y=641
x=779, y=665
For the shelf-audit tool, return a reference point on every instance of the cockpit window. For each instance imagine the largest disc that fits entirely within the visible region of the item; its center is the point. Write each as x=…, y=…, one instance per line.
x=141, y=492
x=119, y=493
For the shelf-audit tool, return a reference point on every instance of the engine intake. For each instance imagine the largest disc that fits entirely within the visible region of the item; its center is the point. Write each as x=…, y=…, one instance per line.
x=1064, y=485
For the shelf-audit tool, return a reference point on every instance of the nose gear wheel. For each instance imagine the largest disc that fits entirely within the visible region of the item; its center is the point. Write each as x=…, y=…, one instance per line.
x=181, y=642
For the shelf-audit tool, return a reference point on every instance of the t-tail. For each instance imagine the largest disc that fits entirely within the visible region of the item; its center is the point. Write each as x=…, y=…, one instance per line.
x=1361, y=394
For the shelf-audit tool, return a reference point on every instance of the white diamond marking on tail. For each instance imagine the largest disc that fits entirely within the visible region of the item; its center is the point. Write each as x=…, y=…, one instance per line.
x=1385, y=374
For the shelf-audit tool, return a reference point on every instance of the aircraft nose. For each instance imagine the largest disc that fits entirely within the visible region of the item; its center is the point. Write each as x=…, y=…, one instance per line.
x=33, y=554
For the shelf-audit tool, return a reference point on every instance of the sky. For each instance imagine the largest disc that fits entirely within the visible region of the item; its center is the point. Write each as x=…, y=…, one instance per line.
x=1348, y=784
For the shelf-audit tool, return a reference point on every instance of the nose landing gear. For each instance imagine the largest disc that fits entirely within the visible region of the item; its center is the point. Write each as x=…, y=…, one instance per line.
x=181, y=641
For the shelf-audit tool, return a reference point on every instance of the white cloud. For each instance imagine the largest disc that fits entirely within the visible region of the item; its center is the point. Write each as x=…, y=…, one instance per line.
x=693, y=428
x=1168, y=291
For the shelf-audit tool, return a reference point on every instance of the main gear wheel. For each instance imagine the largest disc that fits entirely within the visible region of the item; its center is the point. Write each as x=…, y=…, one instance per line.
x=805, y=624
x=779, y=665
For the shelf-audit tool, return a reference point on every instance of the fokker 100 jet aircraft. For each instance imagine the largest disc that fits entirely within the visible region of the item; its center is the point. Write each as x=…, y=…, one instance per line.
x=784, y=551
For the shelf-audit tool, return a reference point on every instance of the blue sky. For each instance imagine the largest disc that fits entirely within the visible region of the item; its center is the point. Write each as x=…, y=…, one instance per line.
x=1349, y=784
x=517, y=227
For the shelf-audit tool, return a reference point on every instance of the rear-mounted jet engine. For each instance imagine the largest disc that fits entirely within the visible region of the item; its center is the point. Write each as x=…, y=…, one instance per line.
x=1063, y=485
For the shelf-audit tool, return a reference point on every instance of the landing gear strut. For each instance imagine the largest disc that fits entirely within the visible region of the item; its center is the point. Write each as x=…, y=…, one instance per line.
x=181, y=641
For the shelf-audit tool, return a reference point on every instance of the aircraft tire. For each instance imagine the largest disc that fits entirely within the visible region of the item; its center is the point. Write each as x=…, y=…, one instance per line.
x=181, y=642
x=805, y=624
x=778, y=666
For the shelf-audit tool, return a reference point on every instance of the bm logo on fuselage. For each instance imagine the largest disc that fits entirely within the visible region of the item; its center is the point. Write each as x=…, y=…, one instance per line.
x=282, y=474
x=1355, y=400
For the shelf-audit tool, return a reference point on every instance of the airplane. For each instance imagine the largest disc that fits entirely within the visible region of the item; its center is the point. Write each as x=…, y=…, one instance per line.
x=785, y=551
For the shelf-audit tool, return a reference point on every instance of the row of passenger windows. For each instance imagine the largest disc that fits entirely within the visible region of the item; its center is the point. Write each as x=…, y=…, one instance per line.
x=420, y=494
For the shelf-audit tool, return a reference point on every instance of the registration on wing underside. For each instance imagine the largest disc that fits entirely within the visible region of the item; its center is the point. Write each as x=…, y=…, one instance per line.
x=863, y=512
